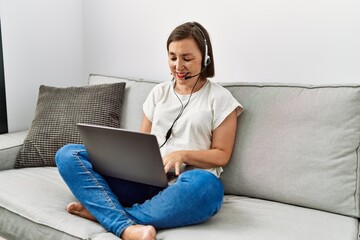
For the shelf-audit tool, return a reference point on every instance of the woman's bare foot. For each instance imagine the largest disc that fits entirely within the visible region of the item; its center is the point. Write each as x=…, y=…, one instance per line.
x=133, y=232
x=78, y=209
x=139, y=232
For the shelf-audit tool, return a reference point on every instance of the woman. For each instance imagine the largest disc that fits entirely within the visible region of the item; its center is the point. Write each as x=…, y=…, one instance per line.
x=194, y=121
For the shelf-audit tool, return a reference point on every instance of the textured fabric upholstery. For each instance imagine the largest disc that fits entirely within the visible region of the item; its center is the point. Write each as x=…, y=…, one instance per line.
x=37, y=198
x=297, y=144
x=136, y=92
x=57, y=113
x=255, y=219
x=10, y=146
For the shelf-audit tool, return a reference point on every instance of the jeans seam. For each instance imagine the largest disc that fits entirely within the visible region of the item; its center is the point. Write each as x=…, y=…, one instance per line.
x=122, y=212
x=76, y=155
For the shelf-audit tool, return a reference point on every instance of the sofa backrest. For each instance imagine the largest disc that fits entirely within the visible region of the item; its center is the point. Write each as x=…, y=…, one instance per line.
x=136, y=91
x=296, y=144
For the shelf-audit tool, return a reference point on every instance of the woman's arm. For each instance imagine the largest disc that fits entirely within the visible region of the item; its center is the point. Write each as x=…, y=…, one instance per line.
x=219, y=154
x=145, y=125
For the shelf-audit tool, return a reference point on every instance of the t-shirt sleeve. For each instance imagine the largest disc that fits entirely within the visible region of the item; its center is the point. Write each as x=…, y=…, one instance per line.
x=225, y=104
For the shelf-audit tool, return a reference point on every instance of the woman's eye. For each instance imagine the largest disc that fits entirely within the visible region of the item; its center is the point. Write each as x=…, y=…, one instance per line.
x=173, y=59
x=188, y=59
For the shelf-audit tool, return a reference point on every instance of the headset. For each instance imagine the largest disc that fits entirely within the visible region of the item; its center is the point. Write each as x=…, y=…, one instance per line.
x=207, y=59
x=206, y=62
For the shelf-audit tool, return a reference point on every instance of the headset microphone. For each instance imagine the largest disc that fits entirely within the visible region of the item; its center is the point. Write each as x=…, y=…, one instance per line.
x=188, y=77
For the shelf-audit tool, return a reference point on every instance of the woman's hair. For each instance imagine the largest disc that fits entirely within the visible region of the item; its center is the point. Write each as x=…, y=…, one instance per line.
x=197, y=32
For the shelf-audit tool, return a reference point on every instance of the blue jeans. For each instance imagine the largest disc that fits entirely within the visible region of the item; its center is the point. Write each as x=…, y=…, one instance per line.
x=117, y=204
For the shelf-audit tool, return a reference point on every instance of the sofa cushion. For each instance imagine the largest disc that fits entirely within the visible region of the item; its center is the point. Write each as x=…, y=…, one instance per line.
x=33, y=202
x=10, y=145
x=58, y=111
x=255, y=219
x=136, y=91
x=297, y=144
x=37, y=198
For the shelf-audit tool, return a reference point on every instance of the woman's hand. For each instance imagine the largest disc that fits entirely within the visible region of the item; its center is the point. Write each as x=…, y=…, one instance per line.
x=174, y=160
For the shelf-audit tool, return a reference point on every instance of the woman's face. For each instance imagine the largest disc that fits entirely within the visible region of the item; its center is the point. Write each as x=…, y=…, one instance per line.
x=184, y=58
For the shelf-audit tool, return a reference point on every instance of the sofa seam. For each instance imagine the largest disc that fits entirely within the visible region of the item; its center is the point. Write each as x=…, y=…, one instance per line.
x=267, y=85
x=122, y=78
x=357, y=189
x=7, y=148
x=245, y=84
x=356, y=193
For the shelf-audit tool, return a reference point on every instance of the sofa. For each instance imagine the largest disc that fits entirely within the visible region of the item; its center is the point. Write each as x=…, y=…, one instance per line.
x=293, y=174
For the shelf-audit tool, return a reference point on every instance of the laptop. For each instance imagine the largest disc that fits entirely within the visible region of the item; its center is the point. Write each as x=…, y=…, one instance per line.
x=124, y=154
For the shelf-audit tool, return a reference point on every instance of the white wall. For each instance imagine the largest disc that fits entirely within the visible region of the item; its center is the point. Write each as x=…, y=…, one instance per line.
x=42, y=44
x=59, y=42
x=305, y=41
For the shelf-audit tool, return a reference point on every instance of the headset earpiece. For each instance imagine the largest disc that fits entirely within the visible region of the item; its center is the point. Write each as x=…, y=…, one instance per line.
x=207, y=59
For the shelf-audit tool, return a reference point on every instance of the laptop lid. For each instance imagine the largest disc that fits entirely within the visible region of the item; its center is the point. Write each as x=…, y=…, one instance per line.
x=124, y=154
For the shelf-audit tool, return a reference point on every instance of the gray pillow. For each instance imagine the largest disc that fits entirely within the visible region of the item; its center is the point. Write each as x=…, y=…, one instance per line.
x=58, y=111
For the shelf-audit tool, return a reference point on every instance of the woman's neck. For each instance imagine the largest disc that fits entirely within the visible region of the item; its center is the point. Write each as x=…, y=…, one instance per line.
x=185, y=88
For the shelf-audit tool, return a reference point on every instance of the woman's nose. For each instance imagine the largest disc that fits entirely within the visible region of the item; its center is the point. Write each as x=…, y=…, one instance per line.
x=179, y=65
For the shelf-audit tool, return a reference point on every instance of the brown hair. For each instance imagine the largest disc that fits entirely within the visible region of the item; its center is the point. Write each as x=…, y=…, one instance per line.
x=197, y=32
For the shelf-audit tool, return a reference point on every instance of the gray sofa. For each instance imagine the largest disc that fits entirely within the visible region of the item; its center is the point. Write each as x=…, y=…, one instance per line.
x=294, y=172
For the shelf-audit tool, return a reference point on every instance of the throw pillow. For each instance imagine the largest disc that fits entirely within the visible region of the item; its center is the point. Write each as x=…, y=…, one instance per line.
x=58, y=111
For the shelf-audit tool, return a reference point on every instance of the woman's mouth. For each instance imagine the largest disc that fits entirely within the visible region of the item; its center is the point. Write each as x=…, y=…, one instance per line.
x=181, y=75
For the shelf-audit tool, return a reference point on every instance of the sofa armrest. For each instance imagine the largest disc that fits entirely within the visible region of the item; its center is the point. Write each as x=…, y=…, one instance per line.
x=10, y=145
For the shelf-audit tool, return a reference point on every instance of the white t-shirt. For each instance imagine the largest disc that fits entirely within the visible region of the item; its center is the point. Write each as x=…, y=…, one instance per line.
x=207, y=109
